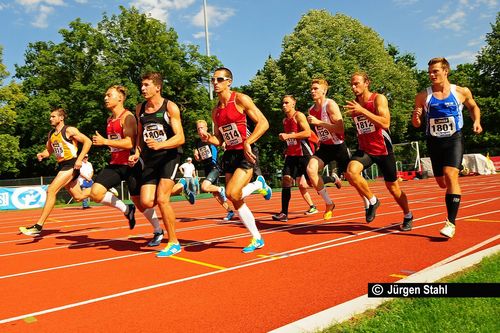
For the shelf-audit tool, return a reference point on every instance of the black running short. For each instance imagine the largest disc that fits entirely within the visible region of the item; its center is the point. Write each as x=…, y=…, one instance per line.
x=386, y=164
x=445, y=152
x=338, y=153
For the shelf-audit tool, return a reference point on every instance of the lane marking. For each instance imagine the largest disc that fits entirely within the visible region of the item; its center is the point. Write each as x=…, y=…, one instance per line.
x=479, y=220
x=399, y=276
x=30, y=320
x=197, y=262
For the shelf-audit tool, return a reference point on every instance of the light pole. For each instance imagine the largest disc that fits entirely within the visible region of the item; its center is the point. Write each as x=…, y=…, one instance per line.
x=207, y=43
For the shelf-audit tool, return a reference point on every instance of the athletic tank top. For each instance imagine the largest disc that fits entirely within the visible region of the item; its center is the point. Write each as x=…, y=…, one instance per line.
x=114, y=130
x=443, y=116
x=207, y=153
x=325, y=136
x=64, y=148
x=371, y=139
x=232, y=124
x=156, y=126
x=296, y=147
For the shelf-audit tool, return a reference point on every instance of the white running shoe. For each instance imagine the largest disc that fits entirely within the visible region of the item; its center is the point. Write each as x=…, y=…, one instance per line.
x=448, y=230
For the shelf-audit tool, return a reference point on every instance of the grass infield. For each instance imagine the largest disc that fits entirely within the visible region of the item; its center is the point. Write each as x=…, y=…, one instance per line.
x=435, y=314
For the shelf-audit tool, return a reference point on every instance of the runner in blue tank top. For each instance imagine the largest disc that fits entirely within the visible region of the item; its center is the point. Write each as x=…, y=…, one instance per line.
x=440, y=107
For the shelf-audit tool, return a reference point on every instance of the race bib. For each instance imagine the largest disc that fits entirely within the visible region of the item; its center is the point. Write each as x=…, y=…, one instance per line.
x=205, y=152
x=154, y=131
x=291, y=142
x=442, y=127
x=323, y=134
x=58, y=149
x=231, y=134
x=363, y=125
x=115, y=136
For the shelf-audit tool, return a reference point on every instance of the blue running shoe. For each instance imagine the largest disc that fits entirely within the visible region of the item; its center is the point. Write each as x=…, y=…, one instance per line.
x=223, y=194
x=229, y=216
x=191, y=197
x=266, y=190
x=254, y=245
x=169, y=250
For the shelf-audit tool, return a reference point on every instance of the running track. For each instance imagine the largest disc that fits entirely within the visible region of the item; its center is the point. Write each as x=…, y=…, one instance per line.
x=89, y=273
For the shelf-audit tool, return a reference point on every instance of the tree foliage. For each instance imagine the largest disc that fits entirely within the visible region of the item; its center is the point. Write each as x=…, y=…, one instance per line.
x=75, y=74
x=10, y=97
x=333, y=47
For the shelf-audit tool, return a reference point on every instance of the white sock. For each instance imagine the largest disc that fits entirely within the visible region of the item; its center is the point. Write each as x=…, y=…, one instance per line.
x=366, y=201
x=325, y=196
x=373, y=200
x=250, y=188
x=151, y=216
x=249, y=220
x=409, y=215
x=112, y=201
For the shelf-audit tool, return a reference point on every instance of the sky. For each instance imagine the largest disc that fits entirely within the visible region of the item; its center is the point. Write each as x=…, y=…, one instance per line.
x=244, y=33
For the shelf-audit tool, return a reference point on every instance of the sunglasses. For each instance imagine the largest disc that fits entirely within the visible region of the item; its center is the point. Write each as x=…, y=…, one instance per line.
x=219, y=79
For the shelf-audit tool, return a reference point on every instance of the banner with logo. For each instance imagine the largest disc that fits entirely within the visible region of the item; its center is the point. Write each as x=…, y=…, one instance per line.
x=22, y=197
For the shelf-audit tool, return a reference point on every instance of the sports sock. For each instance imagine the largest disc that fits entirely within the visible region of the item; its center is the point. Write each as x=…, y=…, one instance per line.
x=112, y=201
x=325, y=196
x=373, y=200
x=286, y=194
x=250, y=188
x=151, y=216
x=249, y=220
x=409, y=215
x=452, y=204
x=366, y=201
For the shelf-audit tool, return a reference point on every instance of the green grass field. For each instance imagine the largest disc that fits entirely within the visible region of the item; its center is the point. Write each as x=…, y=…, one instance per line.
x=436, y=314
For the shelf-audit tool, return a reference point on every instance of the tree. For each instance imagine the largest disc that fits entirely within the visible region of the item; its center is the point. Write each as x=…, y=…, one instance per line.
x=75, y=73
x=488, y=61
x=333, y=47
x=10, y=97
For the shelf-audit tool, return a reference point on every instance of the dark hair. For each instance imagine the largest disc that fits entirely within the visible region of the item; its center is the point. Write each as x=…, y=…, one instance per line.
x=228, y=72
x=60, y=112
x=153, y=76
x=444, y=63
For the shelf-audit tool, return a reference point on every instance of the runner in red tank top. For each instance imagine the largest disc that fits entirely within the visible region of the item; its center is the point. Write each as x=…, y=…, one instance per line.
x=232, y=128
x=325, y=115
x=298, y=152
x=371, y=116
x=121, y=132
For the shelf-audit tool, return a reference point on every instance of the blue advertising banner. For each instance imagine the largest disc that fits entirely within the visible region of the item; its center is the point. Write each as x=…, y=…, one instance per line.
x=22, y=197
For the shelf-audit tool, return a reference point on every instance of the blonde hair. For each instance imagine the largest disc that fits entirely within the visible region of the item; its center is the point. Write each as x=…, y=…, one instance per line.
x=321, y=82
x=120, y=89
x=201, y=121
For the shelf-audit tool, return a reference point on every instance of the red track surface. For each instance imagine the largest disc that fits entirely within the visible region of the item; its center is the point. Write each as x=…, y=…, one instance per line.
x=90, y=273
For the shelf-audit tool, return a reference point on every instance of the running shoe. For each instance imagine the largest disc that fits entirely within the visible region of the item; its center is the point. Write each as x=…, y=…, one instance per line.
x=266, y=190
x=328, y=212
x=311, y=211
x=113, y=191
x=332, y=180
x=169, y=250
x=448, y=230
x=370, y=212
x=222, y=194
x=30, y=231
x=229, y=216
x=157, y=237
x=131, y=216
x=407, y=224
x=254, y=245
x=282, y=217
x=191, y=197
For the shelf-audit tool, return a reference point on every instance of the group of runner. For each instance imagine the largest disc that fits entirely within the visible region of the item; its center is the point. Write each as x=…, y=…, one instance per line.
x=146, y=150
